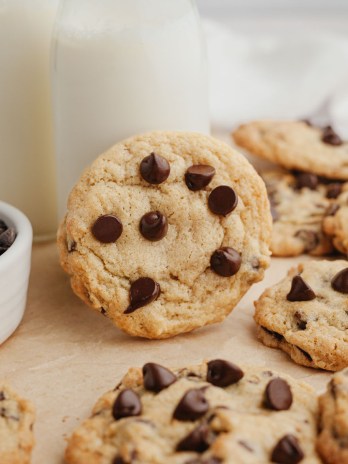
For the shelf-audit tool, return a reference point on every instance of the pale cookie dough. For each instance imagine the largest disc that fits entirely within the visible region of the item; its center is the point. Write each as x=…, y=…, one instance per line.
x=336, y=223
x=181, y=291
x=16, y=428
x=306, y=314
x=298, y=209
x=214, y=413
x=333, y=407
x=294, y=145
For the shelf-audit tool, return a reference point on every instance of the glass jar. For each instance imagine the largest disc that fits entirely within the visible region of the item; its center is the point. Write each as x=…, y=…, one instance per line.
x=121, y=68
x=27, y=177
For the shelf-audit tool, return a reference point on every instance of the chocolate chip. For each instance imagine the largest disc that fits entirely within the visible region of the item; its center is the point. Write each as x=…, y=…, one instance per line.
x=103, y=311
x=127, y=404
x=2, y=396
x=222, y=200
x=142, y=292
x=223, y=373
x=118, y=460
x=157, y=377
x=308, y=180
x=154, y=169
x=333, y=190
x=199, y=176
x=278, y=395
x=309, y=238
x=332, y=210
x=192, y=406
x=198, y=440
x=300, y=291
x=340, y=281
x=71, y=246
x=153, y=226
x=301, y=323
x=330, y=137
x=226, y=261
x=287, y=451
x=107, y=228
x=7, y=238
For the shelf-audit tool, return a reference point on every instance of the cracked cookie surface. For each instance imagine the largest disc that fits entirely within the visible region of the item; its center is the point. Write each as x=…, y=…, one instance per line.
x=306, y=314
x=299, y=204
x=333, y=407
x=294, y=145
x=214, y=413
x=16, y=427
x=197, y=262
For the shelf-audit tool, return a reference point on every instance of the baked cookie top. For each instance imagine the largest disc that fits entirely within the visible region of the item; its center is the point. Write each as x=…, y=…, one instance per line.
x=335, y=223
x=305, y=314
x=165, y=232
x=296, y=145
x=213, y=413
x=299, y=203
x=333, y=407
x=16, y=427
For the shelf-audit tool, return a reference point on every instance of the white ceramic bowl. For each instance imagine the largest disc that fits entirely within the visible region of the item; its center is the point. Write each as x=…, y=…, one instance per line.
x=14, y=271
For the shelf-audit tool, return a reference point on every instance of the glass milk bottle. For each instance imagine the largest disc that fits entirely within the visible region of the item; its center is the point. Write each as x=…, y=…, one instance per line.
x=122, y=67
x=27, y=177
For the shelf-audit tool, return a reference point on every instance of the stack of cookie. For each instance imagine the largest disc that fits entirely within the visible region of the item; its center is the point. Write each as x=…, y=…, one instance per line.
x=309, y=194
x=305, y=314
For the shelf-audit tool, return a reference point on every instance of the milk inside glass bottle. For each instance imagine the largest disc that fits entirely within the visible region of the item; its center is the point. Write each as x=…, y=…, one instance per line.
x=27, y=177
x=122, y=67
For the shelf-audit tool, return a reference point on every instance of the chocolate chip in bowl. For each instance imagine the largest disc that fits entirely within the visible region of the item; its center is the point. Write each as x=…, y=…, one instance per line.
x=15, y=254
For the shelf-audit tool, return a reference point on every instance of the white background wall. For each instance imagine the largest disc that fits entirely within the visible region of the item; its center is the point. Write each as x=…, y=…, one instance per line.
x=285, y=17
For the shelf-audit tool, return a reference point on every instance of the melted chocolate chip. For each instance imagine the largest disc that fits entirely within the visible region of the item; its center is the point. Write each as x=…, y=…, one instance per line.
x=307, y=180
x=226, y=261
x=154, y=169
x=276, y=335
x=107, y=228
x=142, y=292
x=198, y=440
x=287, y=451
x=278, y=395
x=7, y=238
x=192, y=406
x=333, y=190
x=300, y=291
x=309, y=238
x=153, y=226
x=127, y=404
x=156, y=377
x=199, y=176
x=223, y=373
x=340, y=281
x=222, y=200
x=331, y=137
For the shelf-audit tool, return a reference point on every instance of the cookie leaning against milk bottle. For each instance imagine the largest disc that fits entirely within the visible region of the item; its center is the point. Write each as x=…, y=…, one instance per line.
x=165, y=232
x=213, y=413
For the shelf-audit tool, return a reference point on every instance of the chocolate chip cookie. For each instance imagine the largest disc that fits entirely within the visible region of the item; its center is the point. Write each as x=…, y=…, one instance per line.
x=214, y=413
x=16, y=428
x=165, y=232
x=306, y=314
x=335, y=223
x=299, y=204
x=296, y=145
x=333, y=408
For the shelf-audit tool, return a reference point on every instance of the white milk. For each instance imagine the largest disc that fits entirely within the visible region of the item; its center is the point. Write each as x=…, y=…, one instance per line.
x=27, y=178
x=121, y=68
